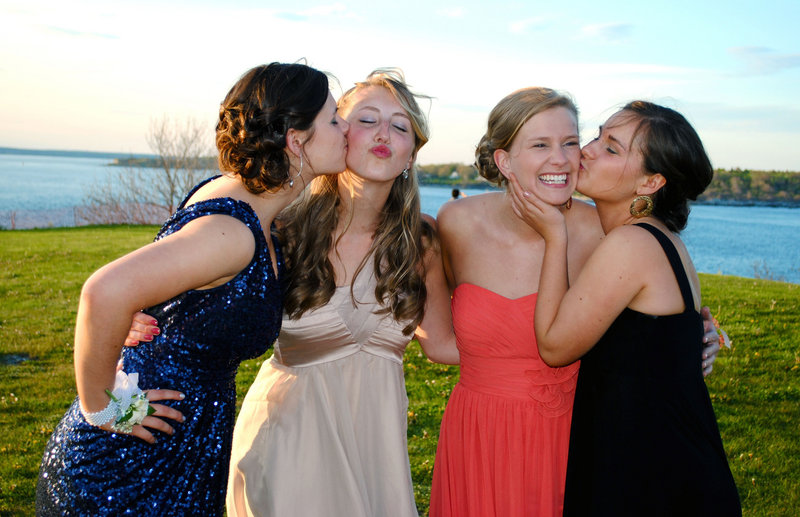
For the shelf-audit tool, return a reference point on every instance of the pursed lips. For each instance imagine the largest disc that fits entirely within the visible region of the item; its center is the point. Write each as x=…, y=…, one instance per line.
x=381, y=151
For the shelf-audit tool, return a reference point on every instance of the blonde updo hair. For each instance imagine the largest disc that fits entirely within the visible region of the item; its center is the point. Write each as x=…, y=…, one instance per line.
x=505, y=121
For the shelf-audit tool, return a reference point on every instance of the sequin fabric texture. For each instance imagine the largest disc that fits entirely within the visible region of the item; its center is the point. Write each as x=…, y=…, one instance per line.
x=205, y=335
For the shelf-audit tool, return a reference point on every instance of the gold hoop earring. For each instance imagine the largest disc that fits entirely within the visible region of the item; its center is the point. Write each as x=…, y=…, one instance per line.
x=568, y=204
x=646, y=211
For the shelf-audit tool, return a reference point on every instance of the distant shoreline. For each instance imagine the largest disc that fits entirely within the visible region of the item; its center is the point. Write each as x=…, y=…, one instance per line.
x=74, y=154
x=24, y=219
x=784, y=193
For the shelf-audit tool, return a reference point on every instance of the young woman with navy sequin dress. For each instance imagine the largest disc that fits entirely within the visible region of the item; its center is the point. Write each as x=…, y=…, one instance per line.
x=213, y=279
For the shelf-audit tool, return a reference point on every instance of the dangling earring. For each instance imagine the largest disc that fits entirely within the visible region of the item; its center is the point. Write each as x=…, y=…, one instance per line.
x=405, y=173
x=291, y=180
x=646, y=211
x=568, y=204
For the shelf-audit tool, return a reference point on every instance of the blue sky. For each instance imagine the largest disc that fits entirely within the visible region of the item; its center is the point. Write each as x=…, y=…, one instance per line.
x=88, y=75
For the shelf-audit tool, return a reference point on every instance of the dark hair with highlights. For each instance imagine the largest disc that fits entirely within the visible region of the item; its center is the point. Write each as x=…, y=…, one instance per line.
x=671, y=147
x=257, y=113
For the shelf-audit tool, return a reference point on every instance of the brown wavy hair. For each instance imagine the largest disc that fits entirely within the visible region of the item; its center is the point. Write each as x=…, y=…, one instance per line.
x=400, y=240
x=255, y=116
x=505, y=121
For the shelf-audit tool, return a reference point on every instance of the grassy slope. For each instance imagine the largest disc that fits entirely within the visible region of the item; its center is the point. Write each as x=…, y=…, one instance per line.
x=755, y=386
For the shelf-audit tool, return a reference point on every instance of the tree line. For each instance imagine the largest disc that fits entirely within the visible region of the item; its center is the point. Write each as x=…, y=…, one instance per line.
x=729, y=185
x=744, y=185
x=148, y=189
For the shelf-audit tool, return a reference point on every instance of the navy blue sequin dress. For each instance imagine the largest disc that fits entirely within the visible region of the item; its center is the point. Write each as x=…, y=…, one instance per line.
x=205, y=335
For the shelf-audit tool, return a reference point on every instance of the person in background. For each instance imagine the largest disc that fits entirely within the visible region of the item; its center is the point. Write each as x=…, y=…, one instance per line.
x=505, y=432
x=644, y=437
x=456, y=193
x=212, y=278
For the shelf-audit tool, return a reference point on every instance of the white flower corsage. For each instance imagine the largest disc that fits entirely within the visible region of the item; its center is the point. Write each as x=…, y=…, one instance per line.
x=128, y=405
x=132, y=402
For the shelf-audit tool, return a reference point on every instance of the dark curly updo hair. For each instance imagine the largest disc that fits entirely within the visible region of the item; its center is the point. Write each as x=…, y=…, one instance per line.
x=255, y=116
x=505, y=121
x=671, y=147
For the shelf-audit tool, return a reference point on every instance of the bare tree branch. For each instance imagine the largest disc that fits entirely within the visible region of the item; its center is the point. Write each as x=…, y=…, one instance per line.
x=148, y=195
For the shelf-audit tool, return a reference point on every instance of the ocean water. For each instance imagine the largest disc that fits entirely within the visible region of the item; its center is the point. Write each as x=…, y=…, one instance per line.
x=747, y=241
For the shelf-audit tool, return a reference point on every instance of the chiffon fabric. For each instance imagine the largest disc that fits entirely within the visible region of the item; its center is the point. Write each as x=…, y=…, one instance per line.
x=644, y=438
x=505, y=432
x=322, y=430
x=205, y=334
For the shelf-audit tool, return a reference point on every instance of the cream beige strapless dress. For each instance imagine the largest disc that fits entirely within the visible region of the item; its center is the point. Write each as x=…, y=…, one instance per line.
x=322, y=430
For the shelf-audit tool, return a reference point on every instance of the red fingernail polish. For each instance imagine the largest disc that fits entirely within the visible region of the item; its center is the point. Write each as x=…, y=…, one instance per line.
x=156, y=331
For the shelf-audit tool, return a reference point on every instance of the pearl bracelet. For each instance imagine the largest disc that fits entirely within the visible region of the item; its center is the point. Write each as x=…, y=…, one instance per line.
x=128, y=405
x=101, y=418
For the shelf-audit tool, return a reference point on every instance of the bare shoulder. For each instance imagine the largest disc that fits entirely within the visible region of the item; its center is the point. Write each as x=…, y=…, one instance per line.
x=584, y=214
x=583, y=223
x=227, y=231
x=629, y=237
x=468, y=211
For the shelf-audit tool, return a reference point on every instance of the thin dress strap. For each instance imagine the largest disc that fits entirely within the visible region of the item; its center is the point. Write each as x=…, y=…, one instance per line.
x=675, y=261
x=196, y=188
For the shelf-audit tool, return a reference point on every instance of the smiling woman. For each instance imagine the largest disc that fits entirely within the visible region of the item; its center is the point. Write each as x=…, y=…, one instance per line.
x=503, y=441
x=504, y=436
x=644, y=438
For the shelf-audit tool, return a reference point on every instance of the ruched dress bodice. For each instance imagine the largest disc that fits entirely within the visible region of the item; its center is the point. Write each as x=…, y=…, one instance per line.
x=336, y=330
x=507, y=365
x=504, y=435
x=322, y=430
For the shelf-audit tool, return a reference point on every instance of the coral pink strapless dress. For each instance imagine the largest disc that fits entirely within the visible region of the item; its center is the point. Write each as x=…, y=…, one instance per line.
x=505, y=433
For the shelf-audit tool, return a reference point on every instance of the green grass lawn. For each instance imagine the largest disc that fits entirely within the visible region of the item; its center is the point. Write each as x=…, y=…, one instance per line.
x=755, y=386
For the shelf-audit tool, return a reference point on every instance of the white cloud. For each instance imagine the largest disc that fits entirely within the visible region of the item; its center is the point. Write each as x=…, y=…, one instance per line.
x=763, y=60
x=451, y=12
x=608, y=32
x=522, y=26
x=326, y=10
x=319, y=11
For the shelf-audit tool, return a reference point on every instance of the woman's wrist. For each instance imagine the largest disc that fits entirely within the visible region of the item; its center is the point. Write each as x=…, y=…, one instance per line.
x=556, y=236
x=104, y=416
x=127, y=407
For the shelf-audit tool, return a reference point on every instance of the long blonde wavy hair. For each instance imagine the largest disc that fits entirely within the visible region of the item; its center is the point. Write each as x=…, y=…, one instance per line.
x=400, y=240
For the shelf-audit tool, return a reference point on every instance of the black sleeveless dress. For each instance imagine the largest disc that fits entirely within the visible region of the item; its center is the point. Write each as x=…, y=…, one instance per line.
x=644, y=438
